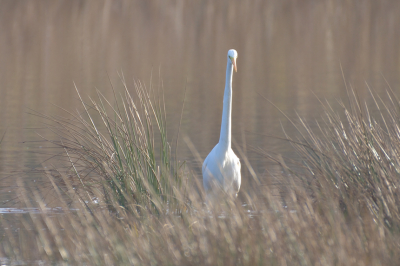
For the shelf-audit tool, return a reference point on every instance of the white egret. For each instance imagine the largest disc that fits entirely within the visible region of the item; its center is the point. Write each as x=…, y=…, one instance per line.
x=221, y=168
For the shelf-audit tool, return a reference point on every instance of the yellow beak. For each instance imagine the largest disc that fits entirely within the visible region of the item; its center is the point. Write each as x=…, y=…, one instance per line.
x=234, y=63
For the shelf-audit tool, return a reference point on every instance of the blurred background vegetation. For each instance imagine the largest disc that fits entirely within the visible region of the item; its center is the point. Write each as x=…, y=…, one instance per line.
x=289, y=51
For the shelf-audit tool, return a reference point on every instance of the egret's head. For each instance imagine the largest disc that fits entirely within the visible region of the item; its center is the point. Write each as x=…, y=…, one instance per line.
x=232, y=55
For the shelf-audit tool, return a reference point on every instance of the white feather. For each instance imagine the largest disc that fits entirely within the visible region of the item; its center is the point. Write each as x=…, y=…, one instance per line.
x=221, y=168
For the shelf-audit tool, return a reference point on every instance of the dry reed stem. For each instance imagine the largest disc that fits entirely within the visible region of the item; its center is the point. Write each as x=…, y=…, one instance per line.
x=341, y=210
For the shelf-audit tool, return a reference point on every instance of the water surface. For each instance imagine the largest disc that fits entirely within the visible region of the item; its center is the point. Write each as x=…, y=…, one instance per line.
x=288, y=51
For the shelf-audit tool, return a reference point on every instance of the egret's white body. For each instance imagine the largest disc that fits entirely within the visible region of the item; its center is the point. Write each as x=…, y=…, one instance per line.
x=221, y=168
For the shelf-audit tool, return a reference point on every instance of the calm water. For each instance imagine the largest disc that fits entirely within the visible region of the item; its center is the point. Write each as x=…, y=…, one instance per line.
x=287, y=50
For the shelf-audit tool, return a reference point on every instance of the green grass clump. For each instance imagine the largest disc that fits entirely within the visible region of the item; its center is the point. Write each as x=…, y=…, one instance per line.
x=341, y=210
x=118, y=152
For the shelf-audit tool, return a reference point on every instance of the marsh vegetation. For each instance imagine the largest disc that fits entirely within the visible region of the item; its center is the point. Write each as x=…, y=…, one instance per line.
x=108, y=172
x=126, y=200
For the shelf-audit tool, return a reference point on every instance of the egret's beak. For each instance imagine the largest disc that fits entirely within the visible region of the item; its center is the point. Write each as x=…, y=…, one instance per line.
x=234, y=63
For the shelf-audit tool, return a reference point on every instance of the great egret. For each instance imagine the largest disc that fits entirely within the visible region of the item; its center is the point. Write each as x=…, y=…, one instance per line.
x=221, y=168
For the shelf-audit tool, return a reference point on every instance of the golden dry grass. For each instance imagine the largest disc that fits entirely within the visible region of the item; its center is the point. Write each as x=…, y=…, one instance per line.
x=342, y=209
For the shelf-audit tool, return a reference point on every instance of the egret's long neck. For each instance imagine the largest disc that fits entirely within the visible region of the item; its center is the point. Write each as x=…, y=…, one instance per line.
x=225, y=137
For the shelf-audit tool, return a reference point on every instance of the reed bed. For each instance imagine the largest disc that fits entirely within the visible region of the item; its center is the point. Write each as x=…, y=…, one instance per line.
x=126, y=201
